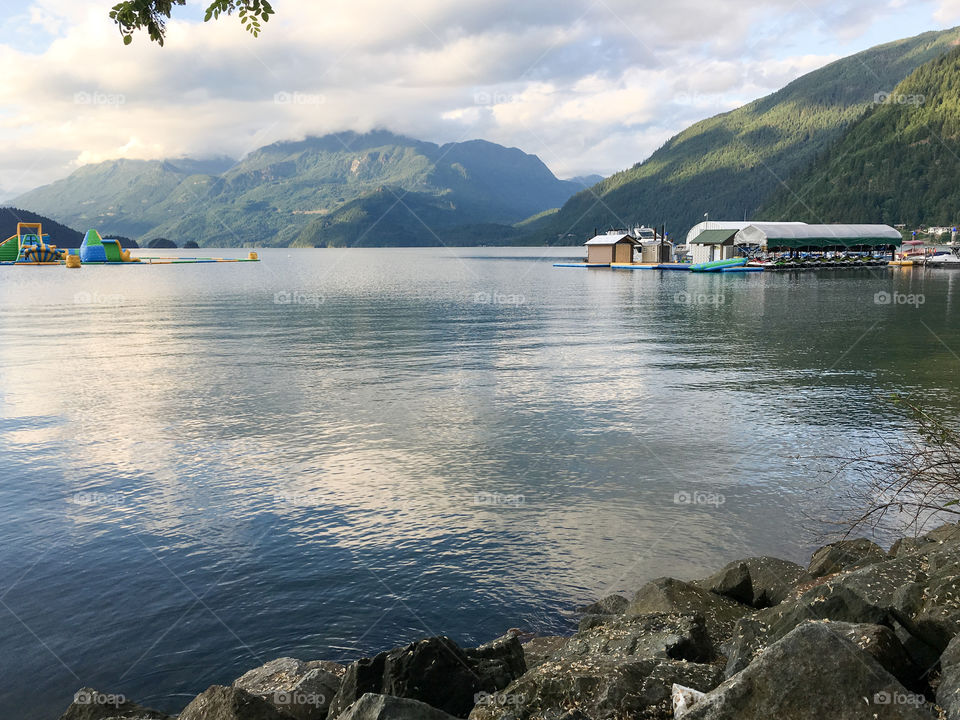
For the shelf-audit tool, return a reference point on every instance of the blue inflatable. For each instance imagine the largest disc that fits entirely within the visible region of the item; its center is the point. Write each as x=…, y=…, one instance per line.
x=92, y=249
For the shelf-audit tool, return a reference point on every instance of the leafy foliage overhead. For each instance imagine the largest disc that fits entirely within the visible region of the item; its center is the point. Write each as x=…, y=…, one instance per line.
x=152, y=15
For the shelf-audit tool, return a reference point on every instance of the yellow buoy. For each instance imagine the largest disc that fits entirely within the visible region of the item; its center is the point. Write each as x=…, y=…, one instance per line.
x=73, y=261
x=252, y=256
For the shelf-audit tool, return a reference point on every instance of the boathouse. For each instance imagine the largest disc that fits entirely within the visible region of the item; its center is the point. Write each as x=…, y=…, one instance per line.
x=711, y=245
x=611, y=248
x=771, y=237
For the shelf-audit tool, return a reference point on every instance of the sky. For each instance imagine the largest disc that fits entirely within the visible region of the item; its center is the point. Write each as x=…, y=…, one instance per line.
x=590, y=86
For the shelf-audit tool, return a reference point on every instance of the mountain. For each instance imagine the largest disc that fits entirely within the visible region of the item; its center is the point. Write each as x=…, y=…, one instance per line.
x=586, y=181
x=321, y=190
x=732, y=164
x=898, y=164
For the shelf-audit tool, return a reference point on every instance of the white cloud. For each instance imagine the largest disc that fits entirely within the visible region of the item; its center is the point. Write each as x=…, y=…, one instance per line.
x=590, y=86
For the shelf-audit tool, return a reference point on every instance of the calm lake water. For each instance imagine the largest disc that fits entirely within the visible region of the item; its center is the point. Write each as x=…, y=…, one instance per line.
x=334, y=452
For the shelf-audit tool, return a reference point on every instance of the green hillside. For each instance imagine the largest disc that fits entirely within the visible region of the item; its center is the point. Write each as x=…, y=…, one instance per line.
x=900, y=163
x=732, y=164
x=309, y=192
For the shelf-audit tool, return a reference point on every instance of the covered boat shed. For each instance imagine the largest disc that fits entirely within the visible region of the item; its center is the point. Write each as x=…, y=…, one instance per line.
x=611, y=248
x=775, y=236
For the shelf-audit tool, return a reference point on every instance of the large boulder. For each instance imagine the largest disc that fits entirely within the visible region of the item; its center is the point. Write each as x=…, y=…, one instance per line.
x=948, y=691
x=658, y=635
x=596, y=688
x=541, y=649
x=758, y=581
x=303, y=690
x=387, y=707
x=90, y=704
x=435, y=671
x=498, y=663
x=599, y=612
x=844, y=555
x=228, y=703
x=813, y=672
x=667, y=595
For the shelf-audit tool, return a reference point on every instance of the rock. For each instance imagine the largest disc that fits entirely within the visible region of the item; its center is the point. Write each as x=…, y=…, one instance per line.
x=659, y=635
x=759, y=581
x=948, y=692
x=302, y=690
x=813, y=672
x=666, y=595
x=90, y=704
x=498, y=663
x=603, y=610
x=541, y=649
x=945, y=533
x=843, y=555
x=750, y=636
x=909, y=546
x=218, y=702
x=435, y=671
x=596, y=688
x=883, y=646
x=610, y=605
x=387, y=707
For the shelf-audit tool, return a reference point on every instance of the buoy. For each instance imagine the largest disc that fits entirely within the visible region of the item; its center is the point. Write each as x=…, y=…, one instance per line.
x=73, y=261
x=252, y=256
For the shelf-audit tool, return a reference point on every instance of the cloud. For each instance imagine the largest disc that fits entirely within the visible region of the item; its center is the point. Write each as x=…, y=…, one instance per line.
x=591, y=86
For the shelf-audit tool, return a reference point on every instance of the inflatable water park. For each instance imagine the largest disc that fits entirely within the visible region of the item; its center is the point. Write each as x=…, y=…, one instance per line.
x=31, y=246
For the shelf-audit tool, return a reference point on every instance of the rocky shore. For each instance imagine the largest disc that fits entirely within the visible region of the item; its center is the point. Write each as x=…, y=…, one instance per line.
x=859, y=633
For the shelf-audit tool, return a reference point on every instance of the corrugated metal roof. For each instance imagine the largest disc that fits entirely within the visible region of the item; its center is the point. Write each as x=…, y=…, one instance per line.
x=726, y=225
x=715, y=237
x=611, y=239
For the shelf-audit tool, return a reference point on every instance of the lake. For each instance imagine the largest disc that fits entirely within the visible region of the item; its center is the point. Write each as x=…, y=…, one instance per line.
x=334, y=452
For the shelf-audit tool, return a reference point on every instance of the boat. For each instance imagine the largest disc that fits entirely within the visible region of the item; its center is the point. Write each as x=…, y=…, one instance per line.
x=947, y=260
x=719, y=265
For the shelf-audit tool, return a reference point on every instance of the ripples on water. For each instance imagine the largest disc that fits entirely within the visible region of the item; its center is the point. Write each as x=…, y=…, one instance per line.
x=196, y=480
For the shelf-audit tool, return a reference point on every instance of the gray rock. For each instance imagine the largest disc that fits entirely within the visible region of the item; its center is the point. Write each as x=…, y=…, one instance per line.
x=498, y=663
x=910, y=546
x=945, y=533
x=659, y=635
x=90, y=704
x=813, y=672
x=882, y=645
x=610, y=605
x=435, y=671
x=750, y=636
x=596, y=688
x=759, y=581
x=844, y=555
x=539, y=650
x=303, y=690
x=387, y=707
x=948, y=691
x=227, y=703
x=666, y=595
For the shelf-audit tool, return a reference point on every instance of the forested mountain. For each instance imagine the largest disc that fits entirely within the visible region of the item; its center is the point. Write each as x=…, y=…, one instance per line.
x=899, y=164
x=732, y=164
x=316, y=191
